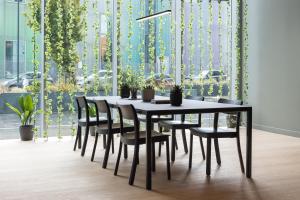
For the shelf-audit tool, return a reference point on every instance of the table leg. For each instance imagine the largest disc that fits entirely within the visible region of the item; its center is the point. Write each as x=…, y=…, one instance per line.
x=106, y=155
x=249, y=144
x=148, y=152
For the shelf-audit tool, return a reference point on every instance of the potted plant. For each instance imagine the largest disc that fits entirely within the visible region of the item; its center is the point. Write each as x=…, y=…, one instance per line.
x=134, y=84
x=26, y=114
x=148, y=93
x=124, y=87
x=176, y=96
x=231, y=120
x=92, y=113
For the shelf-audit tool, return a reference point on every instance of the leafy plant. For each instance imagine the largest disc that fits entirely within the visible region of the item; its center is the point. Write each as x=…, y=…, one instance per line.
x=26, y=111
x=92, y=110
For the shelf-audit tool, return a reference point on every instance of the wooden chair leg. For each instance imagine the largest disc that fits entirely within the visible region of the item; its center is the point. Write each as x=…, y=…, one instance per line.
x=168, y=160
x=153, y=156
x=173, y=145
x=112, y=145
x=118, y=159
x=85, y=140
x=208, y=156
x=202, y=148
x=184, y=141
x=95, y=146
x=104, y=141
x=134, y=165
x=191, y=151
x=107, y=149
x=217, y=151
x=240, y=154
x=125, y=151
x=77, y=138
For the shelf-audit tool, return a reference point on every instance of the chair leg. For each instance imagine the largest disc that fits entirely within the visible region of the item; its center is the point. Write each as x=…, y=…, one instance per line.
x=153, y=156
x=208, y=156
x=173, y=145
x=159, y=149
x=168, y=160
x=176, y=145
x=112, y=145
x=240, y=154
x=191, y=151
x=77, y=138
x=184, y=141
x=85, y=140
x=125, y=151
x=104, y=141
x=134, y=165
x=107, y=149
x=202, y=148
x=217, y=151
x=95, y=146
x=118, y=159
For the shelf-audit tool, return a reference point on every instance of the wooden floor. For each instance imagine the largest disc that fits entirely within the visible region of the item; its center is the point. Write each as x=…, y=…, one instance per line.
x=53, y=171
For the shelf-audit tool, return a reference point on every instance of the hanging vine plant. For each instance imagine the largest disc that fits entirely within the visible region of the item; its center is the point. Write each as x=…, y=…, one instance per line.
x=85, y=51
x=210, y=47
x=141, y=46
x=130, y=34
x=108, y=53
x=238, y=44
x=151, y=40
x=172, y=45
x=201, y=46
x=191, y=48
x=96, y=48
x=245, y=50
x=229, y=41
x=119, y=55
x=182, y=26
x=220, y=24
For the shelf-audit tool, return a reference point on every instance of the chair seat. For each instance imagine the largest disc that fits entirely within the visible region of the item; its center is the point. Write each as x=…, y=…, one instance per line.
x=103, y=128
x=92, y=122
x=129, y=138
x=156, y=118
x=211, y=133
x=178, y=124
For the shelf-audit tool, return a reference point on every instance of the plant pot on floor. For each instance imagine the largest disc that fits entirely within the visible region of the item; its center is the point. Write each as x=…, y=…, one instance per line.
x=26, y=132
x=148, y=94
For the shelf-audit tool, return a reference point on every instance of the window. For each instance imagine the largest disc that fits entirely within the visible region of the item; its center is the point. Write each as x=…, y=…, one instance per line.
x=11, y=58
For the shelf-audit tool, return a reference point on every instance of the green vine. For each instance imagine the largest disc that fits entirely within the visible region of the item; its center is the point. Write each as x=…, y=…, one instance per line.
x=229, y=41
x=245, y=51
x=151, y=40
x=108, y=54
x=182, y=26
x=238, y=40
x=96, y=49
x=172, y=45
x=220, y=23
x=141, y=46
x=119, y=55
x=210, y=23
x=201, y=45
x=130, y=34
x=191, y=47
x=85, y=51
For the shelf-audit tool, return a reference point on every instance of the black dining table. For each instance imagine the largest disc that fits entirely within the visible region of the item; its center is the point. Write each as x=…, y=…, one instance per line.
x=188, y=107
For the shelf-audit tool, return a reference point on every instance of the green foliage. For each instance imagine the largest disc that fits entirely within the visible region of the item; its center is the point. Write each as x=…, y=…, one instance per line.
x=210, y=24
x=26, y=111
x=200, y=22
x=92, y=110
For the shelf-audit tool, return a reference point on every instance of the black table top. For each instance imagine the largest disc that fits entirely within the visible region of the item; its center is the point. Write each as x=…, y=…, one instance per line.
x=188, y=106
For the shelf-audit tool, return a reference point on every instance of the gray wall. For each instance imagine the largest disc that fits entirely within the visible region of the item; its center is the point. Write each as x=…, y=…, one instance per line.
x=274, y=65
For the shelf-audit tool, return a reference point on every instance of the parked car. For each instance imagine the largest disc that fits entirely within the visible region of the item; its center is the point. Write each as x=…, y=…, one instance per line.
x=216, y=75
x=103, y=75
x=163, y=79
x=24, y=80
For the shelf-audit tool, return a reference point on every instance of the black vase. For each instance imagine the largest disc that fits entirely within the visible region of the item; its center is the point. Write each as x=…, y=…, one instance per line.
x=175, y=98
x=133, y=93
x=125, y=92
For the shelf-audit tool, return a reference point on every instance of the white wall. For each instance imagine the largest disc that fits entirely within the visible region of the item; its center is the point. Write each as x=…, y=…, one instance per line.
x=274, y=65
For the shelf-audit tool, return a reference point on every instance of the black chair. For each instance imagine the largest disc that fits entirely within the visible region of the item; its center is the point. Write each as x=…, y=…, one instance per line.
x=85, y=121
x=182, y=125
x=108, y=129
x=218, y=132
x=137, y=138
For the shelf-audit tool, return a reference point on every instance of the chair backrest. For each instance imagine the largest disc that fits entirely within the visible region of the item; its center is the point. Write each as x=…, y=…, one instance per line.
x=198, y=98
x=128, y=112
x=102, y=107
x=238, y=114
x=82, y=105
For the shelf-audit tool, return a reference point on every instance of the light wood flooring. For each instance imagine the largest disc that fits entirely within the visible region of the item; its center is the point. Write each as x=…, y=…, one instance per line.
x=51, y=170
